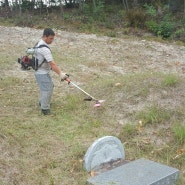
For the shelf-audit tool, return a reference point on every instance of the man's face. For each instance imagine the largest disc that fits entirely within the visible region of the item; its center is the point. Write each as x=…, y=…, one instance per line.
x=48, y=39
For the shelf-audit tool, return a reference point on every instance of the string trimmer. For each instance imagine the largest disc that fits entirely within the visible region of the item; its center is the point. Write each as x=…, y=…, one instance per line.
x=98, y=103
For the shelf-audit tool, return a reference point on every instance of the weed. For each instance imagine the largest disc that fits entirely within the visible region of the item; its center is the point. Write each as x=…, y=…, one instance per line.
x=154, y=114
x=179, y=133
x=170, y=80
x=127, y=132
x=111, y=34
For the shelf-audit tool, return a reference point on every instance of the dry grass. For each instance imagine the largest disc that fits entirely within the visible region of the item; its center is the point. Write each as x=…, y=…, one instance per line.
x=144, y=110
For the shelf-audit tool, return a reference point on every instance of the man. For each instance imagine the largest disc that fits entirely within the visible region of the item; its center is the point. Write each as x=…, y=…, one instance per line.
x=45, y=64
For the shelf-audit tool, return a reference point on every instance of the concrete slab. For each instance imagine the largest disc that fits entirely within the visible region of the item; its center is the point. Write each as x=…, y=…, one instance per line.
x=138, y=172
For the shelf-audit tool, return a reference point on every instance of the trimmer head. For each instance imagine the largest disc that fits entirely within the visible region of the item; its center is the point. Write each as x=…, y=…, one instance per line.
x=98, y=103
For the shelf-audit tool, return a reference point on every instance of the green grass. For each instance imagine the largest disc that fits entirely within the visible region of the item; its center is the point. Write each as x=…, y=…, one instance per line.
x=170, y=80
x=49, y=150
x=154, y=115
x=179, y=133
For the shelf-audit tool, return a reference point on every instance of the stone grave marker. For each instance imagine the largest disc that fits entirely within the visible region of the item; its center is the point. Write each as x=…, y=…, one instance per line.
x=103, y=150
x=108, y=153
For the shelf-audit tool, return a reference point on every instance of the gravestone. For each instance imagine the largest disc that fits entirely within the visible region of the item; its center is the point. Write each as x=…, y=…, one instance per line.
x=138, y=172
x=104, y=150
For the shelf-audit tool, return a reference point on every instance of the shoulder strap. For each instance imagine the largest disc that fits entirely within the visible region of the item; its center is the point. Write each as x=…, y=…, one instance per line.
x=43, y=45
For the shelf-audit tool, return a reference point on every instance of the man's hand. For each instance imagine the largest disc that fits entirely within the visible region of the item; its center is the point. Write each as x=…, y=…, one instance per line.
x=63, y=76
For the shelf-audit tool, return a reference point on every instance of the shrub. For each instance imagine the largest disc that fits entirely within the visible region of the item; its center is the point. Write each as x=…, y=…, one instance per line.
x=180, y=34
x=136, y=18
x=163, y=29
x=151, y=10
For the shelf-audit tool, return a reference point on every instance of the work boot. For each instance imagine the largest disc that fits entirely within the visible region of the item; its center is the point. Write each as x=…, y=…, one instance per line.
x=46, y=111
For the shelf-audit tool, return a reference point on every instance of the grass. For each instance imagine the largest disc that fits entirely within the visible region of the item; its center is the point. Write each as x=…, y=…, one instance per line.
x=144, y=110
x=154, y=115
x=179, y=133
x=50, y=150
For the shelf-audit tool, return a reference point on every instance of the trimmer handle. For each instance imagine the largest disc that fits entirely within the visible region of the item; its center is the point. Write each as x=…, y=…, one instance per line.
x=68, y=80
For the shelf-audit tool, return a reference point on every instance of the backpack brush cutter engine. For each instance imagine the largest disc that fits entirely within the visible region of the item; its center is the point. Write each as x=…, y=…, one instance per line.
x=98, y=103
x=27, y=63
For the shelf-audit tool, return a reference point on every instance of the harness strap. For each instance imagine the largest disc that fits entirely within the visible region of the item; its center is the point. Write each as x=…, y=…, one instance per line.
x=41, y=46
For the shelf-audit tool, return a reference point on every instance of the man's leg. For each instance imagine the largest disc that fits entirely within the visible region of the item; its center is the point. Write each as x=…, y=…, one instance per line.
x=46, y=89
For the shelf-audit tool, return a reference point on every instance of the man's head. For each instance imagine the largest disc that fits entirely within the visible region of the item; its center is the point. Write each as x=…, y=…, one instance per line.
x=48, y=35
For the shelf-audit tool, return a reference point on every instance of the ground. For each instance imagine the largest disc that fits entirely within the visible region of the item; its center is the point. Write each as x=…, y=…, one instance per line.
x=96, y=55
x=89, y=59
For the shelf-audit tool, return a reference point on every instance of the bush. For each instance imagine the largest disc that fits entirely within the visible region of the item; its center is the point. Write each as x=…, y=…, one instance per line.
x=163, y=29
x=136, y=17
x=151, y=10
x=180, y=34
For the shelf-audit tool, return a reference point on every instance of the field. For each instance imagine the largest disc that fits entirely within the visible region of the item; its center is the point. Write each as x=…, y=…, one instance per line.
x=142, y=81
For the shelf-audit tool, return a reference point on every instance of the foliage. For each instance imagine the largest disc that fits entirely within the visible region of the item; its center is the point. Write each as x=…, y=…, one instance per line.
x=95, y=11
x=27, y=6
x=99, y=7
x=180, y=34
x=162, y=27
x=136, y=17
x=98, y=15
x=150, y=10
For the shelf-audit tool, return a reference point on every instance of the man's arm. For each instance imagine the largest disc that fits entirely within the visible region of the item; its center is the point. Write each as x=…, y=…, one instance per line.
x=57, y=70
x=54, y=67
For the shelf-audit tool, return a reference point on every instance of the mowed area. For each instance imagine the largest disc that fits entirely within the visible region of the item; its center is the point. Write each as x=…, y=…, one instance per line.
x=142, y=81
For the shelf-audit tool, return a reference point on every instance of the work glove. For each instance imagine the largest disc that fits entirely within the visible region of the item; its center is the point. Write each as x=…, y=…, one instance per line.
x=63, y=76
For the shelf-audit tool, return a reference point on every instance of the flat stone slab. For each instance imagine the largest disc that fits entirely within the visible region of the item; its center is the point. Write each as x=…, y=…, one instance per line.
x=138, y=172
x=103, y=150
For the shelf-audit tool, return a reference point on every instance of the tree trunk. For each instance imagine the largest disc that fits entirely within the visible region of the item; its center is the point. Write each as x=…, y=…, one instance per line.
x=135, y=3
x=80, y=5
x=61, y=9
x=184, y=8
x=125, y=4
x=94, y=4
x=6, y=3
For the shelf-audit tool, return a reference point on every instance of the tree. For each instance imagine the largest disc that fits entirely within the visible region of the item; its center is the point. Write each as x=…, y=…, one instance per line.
x=176, y=5
x=6, y=3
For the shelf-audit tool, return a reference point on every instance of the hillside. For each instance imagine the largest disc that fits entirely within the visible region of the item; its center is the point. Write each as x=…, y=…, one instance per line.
x=136, y=77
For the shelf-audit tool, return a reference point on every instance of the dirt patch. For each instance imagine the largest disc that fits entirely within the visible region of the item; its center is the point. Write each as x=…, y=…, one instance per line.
x=123, y=55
